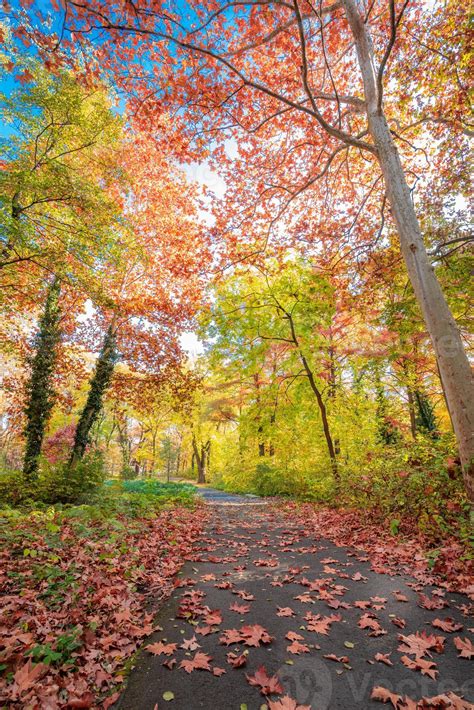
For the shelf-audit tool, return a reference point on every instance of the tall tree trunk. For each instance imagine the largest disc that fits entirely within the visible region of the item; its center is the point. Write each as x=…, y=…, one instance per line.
x=452, y=360
x=319, y=398
x=271, y=445
x=40, y=393
x=200, y=457
x=98, y=386
x=258, y=418
x=324, y=419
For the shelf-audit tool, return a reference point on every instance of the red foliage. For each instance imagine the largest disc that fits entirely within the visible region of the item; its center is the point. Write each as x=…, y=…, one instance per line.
x=81, y=592
x=452, y=568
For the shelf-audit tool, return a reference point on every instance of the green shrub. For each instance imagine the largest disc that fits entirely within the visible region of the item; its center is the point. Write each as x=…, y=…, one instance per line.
x=149, y=493
x=12, y=488
x=418, y=482
x=55, y=483
x=128, y=473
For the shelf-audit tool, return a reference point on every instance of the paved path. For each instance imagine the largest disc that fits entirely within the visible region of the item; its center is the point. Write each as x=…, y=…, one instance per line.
x=212, y=495
x=251, y=570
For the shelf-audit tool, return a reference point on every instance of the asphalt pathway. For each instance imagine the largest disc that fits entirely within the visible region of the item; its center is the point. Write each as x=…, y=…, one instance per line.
x=272, y=594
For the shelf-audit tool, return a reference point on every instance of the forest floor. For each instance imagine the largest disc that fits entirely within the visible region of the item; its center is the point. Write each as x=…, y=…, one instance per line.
x=273, y=614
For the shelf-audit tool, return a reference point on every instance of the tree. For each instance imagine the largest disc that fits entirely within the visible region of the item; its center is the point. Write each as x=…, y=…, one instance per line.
x=290, y=312
x=57, y=214
x=98, y=386
x=40, y=394
x=305, y=76
x=150, y=296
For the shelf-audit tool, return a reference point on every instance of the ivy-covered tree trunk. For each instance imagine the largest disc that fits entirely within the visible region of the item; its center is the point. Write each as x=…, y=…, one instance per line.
x=98, y=386
x=387, y=433
x=40, y=393
x=426, y=419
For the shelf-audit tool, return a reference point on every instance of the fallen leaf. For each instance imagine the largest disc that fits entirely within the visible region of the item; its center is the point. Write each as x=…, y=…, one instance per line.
x=161, y=648
x=296, y=647
x=199, y=662
x=447, y=624
x=465, y=647
x=383, y=658
x=267, y=684
x=420, y=664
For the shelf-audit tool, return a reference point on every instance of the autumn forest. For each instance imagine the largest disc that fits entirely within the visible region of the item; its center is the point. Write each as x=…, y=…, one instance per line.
x=235, y=348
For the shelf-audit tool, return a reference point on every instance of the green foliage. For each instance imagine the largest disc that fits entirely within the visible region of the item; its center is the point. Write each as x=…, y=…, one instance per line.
x=426, y=419
x=415, y=485
x=151, y=492
x=54, y=483
x=59, y=159
x=128, y=473
x=40, y=393
x=60, y=653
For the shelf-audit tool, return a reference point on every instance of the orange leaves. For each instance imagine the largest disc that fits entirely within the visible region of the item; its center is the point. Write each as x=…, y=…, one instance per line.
x=104, y=594
x=190, y=644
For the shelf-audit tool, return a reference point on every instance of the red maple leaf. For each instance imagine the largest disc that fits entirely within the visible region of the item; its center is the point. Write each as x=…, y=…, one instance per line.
x=339, y=659
x=297, y=648
x=237, y=661
x=230, y=636
x=385, y=696
x=383, y=658
x=285, y=611
x=267, y=684
x=161, y=648
x=465, y=647
x=240, y=608
x=447, y=624
x=369, y=621
x=321, y=624
x=254, y=635
x=190, y=644
x=27, y=675
x=213, y=618
x=199, y=662
x=420, y=664
x=427, y=603
x=420, y=644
